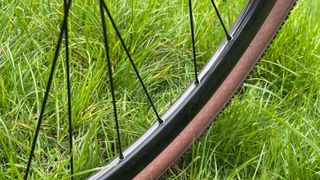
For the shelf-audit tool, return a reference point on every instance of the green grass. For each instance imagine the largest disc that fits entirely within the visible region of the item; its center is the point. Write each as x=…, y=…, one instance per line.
x=271, y=130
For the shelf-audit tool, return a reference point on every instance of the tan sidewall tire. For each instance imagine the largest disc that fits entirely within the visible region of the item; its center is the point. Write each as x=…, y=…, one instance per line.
x=223, y=95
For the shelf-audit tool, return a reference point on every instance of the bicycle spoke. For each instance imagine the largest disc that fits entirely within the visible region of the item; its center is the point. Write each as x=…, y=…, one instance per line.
x=105, y=38
x=46, y=95
x=196, y=81
x=65, y=3
x=221, y=21
x=131, y=61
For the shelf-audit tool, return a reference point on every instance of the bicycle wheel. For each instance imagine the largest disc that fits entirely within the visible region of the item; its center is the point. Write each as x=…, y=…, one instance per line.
x=193, y=112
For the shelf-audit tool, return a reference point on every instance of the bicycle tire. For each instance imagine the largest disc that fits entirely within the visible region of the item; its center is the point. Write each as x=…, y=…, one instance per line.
x=154, y=152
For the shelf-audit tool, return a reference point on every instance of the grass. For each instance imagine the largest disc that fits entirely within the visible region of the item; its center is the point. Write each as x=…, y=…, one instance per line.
x=271, y=130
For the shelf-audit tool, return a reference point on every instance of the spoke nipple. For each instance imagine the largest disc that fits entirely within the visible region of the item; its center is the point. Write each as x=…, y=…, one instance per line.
x=229, y=38
x=160, y=120
x=121, y=157
x=196, y=82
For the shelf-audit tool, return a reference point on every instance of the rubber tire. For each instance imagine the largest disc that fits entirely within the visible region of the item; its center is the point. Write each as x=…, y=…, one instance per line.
x=223, y=95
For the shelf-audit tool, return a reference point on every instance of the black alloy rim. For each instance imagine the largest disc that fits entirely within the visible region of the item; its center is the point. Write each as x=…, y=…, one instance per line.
x=159, y=136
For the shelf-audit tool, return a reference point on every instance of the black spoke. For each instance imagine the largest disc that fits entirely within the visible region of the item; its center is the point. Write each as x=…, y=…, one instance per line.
x=65, y=3
x=196, y=81
x=105, y=38
x=221, y=21
x=131, y=61
x=46, y=95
